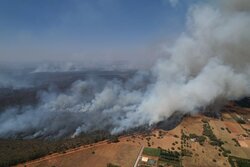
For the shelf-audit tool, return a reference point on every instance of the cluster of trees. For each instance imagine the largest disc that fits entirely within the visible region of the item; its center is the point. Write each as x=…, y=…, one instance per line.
x=184, y=137
x=169, y=158
x=236, y=142
x=184, y=144
x=225, y=152
x=13, y=151
x=200, y=139
x=239, y=120
x=240, y=162
x=166, y=155
x=207, y=131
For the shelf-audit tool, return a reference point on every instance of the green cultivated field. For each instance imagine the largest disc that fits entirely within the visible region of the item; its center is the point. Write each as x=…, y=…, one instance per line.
x=152, y=152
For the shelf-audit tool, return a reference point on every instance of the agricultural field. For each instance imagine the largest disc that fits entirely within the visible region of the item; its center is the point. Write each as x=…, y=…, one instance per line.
x=154, y=157
x=120, y=154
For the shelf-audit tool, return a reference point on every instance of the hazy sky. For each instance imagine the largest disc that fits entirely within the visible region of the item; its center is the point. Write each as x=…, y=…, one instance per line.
x=87, y=30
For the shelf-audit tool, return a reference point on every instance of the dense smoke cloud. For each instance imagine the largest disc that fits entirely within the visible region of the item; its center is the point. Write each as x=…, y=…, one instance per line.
x=207, y=63
x=87, y=105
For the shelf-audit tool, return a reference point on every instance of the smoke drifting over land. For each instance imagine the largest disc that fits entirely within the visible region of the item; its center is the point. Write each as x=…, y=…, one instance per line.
x=207, y=63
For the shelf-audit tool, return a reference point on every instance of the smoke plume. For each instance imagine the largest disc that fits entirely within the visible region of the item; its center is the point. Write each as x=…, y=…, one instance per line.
x=208, y=62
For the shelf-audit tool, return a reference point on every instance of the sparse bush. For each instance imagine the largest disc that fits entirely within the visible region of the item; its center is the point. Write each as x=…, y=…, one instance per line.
x=236, y=142
x=112, y=165
x=228, y=130
x=176, y=136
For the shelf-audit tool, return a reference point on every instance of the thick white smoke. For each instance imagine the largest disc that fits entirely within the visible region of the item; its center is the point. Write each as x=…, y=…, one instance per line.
x=210, y=61
x=85, y=106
